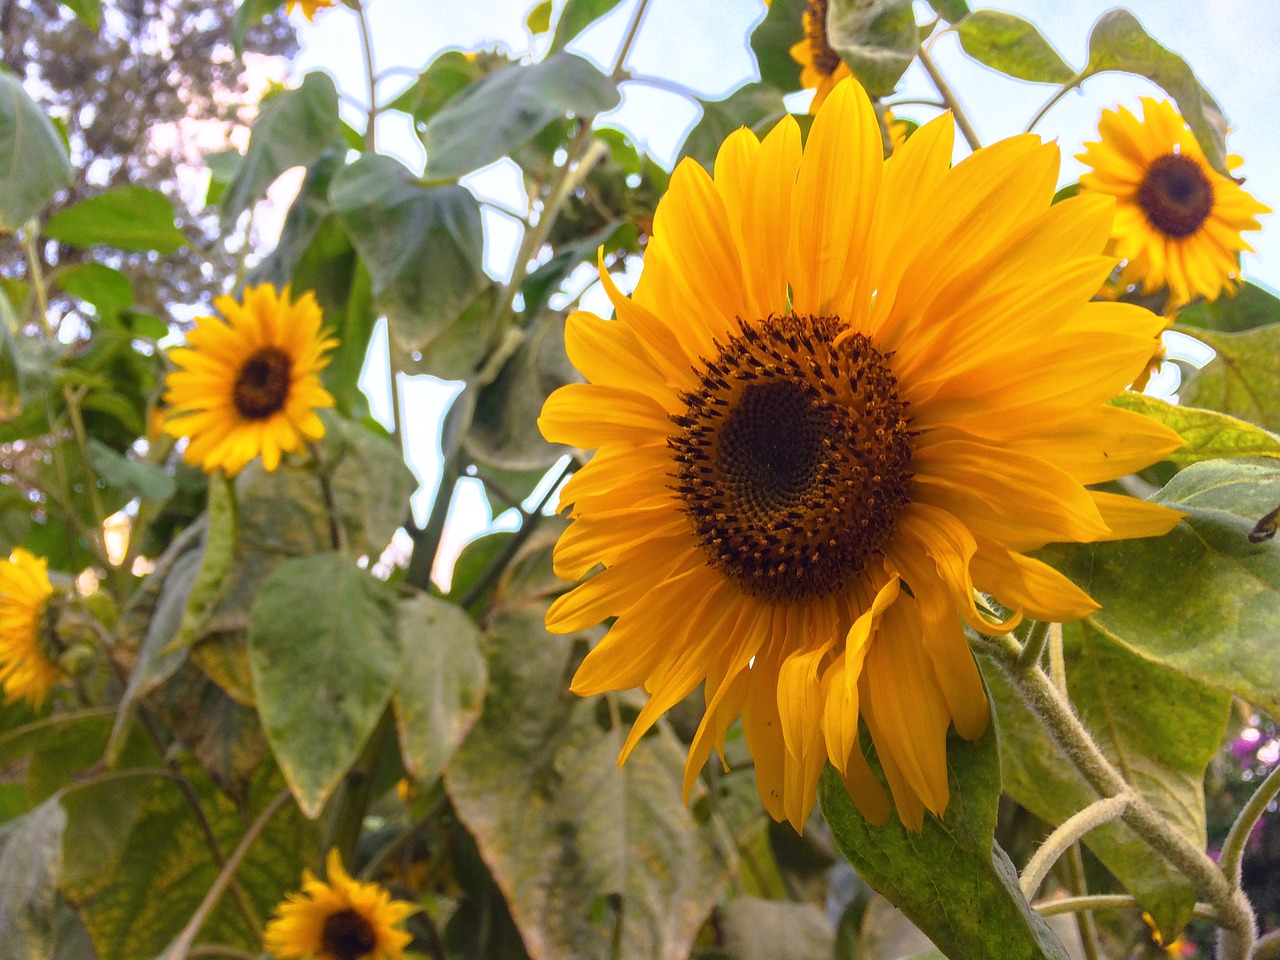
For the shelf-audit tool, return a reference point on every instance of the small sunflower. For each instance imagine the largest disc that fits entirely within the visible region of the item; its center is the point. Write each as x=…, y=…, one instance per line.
x=342, y=919
x=1179, y=223
x=309, y=7
x=250, y=386
x=846, y=392
x=27, y=671
x=820, y=67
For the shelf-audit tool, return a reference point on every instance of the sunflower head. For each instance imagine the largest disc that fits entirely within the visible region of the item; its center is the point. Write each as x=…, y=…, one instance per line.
x=820, y=66
x=249, y=385
x=338, y=919
x=28, y=647
x=1179, y=223
x=308, y=7
x=846, y=393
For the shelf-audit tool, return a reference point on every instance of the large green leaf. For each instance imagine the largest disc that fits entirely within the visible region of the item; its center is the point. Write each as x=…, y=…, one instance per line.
x=877, y=39
x=127, y=218
x=167, y=868
x=445, y=77
x=1012, y=45
x=324, y=626
x=1119, y=42
x=951, y=880
x=442, y=682
x=109, y=290
x=423, y=246
x=505, y=110
x=583, y=852
x=576, y=16
x=1207, y=434
x=34, y=164
x=1202, y=599
x=773, y=39
x=133, y=478
x=89, y=11
x=1159, y=728
x=30, y=862
x=1252, y=306
x=1243, y=379
x=371, y=483
x=293, y=129
x=756, y=105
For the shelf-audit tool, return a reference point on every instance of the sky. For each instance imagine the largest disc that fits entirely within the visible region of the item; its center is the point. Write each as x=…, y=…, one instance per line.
x=1233, y=46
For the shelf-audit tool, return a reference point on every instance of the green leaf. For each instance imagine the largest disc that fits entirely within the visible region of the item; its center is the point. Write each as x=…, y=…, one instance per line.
x=33, y=156
x=11, y=374
x=952, y=11
x=1013, y=46
x=1159, y=728
x=504, y=430
x=371, y=483
x=542, y=283
x=498, y=114
x=539, y=18
x=423, y=245
x=877, y=39
x=167, y=869
x=1202, y=599
x=293, y=129
x=756, y=105
x=758, y=929
x=445, y=77
x=460, y=349
x=110, y=291
x=133, y=478
x=347, y=664
x=1243, y=379
x=247, y=14
x=1118, y=42
x=30, y=862
x=576, y=16
x=773, y=39
x=222, y=165
x=441, y=686
x=1252, y=306
x=1208, y=435
x=89, y=12
x=582, y=850
x=951, y=880
x=126, y=218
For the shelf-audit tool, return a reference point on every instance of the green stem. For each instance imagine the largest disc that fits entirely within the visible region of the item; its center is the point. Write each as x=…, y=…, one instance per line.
x=1048, y=703
x=1084, y=919
x=426, y=541
x=1268, y=947
x=949, y=98
x=1110, y=901
x=1058, y=95
x=633, y=28
x=1065, y=837
x=366, y=47
x=1033, y=649
x=178, y=948
x=1232, y=857
x=353, y=796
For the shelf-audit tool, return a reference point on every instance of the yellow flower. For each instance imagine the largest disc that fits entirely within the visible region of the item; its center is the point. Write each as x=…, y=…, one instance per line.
x=309, y=7
x=250, y=386
x=846, y=392
x=27, y=672
x=342, y=919
x=820, y=67
x=1179, y=223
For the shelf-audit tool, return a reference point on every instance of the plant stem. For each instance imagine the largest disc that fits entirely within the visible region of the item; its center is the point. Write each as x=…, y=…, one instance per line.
x=343, y=830
x=426, y=541
x=1109, y=901
x=633, y=28
x=1084, y=919
x=366, y=46
x=1058, y=95
x=1268, y=947
x=1232, y=857
x=178, y=948
x=529, y=520
x=1065, y=836
x=949, y=98
x=1033, y=649
x=1053, y=709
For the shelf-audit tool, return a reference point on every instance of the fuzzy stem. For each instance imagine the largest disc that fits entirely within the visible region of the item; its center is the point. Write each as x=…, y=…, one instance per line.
x=1232, y=856
x=1033, y=649
x=1109, y=901
x=1058, y=842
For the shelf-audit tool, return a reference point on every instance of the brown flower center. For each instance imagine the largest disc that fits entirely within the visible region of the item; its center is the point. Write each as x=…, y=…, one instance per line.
x=347, y=935
x=826, y=60
x=1176, y=195
x=262, y=383
x=793, y=458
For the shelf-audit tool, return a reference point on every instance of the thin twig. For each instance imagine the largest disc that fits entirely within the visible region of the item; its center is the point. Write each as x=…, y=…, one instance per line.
x=1110, y=901
x=366, y=46
x=1232, y=857
x=949, y=98
x=633, y=28
x=1058, y=95
x=1084, y=919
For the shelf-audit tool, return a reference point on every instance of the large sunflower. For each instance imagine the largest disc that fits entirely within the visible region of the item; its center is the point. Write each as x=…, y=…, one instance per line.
x=27, y=672
x=820, y=67
x=1179, y=223
x=251, y=385
x=342, y=919
x=846, y=392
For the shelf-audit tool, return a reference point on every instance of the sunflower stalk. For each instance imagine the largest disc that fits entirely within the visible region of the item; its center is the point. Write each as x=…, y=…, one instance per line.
x=1238, y=925
x=1232, y=856
x=1066, y=835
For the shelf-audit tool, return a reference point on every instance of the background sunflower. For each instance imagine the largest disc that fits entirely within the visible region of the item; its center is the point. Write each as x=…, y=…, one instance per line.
x=27, y=672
